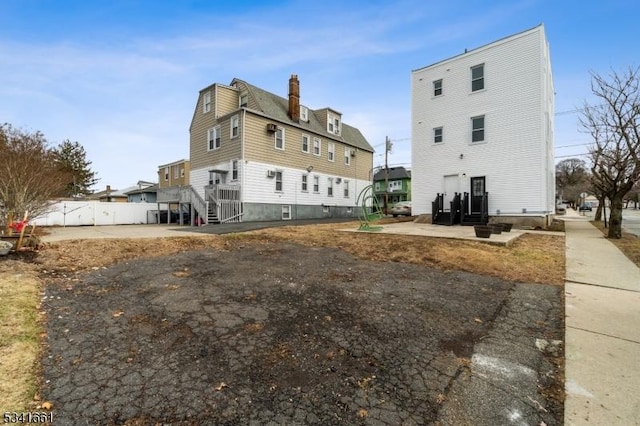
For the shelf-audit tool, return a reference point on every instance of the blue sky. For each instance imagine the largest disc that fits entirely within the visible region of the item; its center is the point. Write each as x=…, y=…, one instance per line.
x=121, y=77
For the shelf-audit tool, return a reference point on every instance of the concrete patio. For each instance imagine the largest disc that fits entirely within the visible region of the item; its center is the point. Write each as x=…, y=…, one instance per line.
x=456, y=232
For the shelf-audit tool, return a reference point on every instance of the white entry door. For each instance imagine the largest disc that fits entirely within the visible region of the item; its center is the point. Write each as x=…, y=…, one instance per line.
x=451, y=186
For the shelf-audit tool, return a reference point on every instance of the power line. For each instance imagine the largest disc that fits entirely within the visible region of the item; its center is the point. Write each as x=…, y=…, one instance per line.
x=574, y=155
x=573, y=111
x=577, y=144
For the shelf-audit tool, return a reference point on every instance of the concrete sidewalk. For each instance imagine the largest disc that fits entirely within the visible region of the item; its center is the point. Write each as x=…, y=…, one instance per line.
x=602, y=354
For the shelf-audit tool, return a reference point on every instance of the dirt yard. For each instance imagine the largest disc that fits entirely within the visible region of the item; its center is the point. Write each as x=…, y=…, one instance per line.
x=301, y=325
x=535, y=258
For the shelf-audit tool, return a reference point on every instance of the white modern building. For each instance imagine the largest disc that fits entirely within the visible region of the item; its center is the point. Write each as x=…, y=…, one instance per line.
x=482, y=128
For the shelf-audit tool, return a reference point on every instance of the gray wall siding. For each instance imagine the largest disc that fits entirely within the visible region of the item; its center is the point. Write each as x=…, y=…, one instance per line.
x=256, y=212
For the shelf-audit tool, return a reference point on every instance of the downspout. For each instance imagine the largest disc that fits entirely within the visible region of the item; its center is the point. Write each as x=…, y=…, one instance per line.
x=215, y=101
x=355, y=184
x=244, y=117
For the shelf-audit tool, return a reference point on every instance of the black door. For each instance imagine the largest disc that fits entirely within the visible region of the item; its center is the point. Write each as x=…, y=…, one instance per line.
x=477, y=191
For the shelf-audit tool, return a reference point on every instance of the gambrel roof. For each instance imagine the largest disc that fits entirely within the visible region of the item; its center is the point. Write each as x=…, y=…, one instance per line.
x=276, y=107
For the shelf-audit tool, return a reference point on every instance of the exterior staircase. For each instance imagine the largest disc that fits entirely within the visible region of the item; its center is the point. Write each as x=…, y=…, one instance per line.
x=458, y=210
x=212, y=214
x=470, y=219
x=183, y=195
x=440, y=216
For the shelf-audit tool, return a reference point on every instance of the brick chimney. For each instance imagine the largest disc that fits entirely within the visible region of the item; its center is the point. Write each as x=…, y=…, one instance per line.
x=294, y=98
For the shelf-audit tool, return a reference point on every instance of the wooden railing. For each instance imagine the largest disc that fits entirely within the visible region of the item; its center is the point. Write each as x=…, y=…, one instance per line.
x=465, y=211
x=437, y=207
x=226, y=200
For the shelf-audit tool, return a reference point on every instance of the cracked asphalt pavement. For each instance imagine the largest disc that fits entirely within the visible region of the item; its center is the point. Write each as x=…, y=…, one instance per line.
x=279, y=333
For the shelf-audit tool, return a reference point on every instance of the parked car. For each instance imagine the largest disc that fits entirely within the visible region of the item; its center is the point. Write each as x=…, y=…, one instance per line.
x=585, y=207
x=561, y=208
x=403, y=208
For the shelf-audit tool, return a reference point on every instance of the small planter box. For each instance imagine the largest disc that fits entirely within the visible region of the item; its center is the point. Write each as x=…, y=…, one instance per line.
x=506, y=227
x=482, y=231
x=496, y=228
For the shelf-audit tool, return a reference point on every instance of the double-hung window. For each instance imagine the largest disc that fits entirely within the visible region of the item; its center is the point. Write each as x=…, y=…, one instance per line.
x=279, y=138
x=278, y=181
x=331, y=147
x=437, y=88
x=347, y=156
x=477, y=128
x=305, y=143
x=235, y=126
x=330, y=187
x=437, y=135
x=304, y=113
x=477, y=78
x=206, y=102
x=213, y=136
x=346, y=189
x=234, y=170
x=333, y=124
x=286, y=212
x=305, y=179
x=317, y=146
x=316, y=184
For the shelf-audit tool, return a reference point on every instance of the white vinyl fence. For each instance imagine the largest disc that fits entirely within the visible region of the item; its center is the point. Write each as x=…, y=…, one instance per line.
x=77, y=213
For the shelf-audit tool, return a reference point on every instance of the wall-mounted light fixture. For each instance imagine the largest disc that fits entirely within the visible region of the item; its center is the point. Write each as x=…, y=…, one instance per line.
x=461, y=156
x=309, y=169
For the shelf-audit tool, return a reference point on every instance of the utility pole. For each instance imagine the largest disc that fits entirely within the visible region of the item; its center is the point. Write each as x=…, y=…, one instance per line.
x=387, y=148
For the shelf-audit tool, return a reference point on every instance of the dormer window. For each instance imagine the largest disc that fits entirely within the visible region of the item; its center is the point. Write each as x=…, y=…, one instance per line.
x=304, y=113
x=333, y=124
x=244, y=99
x=206, y=102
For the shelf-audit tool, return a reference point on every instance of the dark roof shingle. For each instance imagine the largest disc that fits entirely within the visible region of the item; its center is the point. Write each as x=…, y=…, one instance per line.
x=276, y=108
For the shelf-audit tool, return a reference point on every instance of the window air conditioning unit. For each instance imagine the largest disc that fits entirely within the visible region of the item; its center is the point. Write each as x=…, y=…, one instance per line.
x=271, y=173
x=271, y=127
x=353, y=152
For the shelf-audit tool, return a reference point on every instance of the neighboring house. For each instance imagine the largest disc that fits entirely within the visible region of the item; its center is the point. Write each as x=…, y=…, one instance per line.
x=399, y=188
x=173, y=174
x=482, y=128
x=256, y=156
x=145, y=192
x=110, y=195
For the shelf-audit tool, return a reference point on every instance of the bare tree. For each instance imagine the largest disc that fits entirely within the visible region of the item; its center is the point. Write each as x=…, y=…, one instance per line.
x=572, y=179
x=29, y=177
x=614, y=125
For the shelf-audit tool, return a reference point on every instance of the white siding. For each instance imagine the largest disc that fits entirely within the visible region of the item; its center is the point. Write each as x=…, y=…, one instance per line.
x=517, y=153
x=263, y=188
x=254, y=175
x=199, y=178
